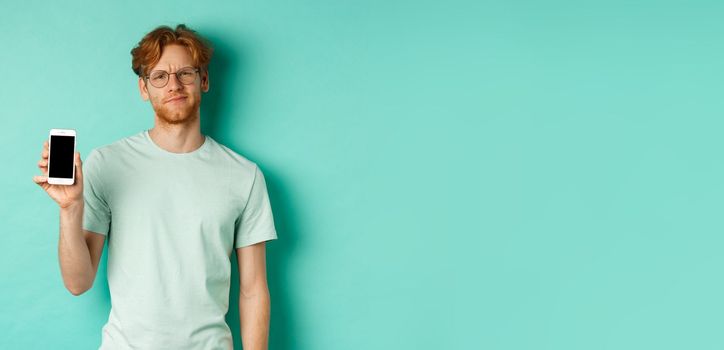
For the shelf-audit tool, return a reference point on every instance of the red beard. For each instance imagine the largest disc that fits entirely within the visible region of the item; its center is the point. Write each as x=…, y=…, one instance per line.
x=186, y=114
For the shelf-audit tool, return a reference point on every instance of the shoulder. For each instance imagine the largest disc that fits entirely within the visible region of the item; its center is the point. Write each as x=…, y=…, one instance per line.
x=114, y=149
x=232, y=159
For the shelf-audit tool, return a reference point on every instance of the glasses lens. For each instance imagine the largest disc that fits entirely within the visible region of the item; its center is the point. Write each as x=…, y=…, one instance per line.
x=159, y=78
x=186, y=75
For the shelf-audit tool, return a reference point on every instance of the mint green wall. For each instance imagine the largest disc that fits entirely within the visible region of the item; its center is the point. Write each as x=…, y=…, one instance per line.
x=444, y=175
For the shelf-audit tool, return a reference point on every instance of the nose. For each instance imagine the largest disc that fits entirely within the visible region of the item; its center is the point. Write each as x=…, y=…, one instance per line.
x=173, y=83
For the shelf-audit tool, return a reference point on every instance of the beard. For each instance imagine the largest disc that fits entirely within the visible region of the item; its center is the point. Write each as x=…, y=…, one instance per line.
x=174, y=114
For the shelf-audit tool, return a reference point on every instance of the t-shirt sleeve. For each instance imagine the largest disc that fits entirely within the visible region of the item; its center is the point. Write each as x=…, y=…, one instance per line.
x=96, y=212
x=256, y=222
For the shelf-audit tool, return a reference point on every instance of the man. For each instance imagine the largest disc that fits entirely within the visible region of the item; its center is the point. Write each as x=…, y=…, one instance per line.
x=173, y=204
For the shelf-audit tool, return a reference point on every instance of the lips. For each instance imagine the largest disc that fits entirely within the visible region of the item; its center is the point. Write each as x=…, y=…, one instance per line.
x=175, y=98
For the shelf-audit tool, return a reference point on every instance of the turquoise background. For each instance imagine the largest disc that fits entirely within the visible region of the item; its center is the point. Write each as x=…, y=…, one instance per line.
x=444, y=175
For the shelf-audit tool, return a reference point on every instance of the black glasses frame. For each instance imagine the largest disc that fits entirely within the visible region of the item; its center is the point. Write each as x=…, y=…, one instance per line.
x=168, y=76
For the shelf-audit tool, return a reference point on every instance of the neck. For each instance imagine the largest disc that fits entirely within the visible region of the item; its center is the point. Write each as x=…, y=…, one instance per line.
x=179, y=138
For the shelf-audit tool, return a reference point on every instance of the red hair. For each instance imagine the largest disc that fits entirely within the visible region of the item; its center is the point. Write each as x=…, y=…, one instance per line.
x=148, y=51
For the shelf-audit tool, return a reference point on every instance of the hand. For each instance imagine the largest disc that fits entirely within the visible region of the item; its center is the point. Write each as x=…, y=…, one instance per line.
x=64, y=195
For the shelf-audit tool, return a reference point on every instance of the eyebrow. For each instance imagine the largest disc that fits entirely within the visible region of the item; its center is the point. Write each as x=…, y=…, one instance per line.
x=156, y=70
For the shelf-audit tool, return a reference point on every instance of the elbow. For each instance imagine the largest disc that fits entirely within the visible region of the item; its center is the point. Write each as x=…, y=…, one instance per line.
x=78, y=286
x=76, y=290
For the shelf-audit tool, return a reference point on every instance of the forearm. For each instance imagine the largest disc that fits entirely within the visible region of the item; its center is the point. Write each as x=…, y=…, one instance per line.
x=73, y=253
x=254, y=314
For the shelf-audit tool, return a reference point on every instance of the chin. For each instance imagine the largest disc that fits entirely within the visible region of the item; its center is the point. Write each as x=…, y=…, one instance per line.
x=185, y=115
x=177, y=118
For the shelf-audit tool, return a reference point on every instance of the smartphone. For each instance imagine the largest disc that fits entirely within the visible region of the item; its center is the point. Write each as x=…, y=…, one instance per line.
x=61, y=158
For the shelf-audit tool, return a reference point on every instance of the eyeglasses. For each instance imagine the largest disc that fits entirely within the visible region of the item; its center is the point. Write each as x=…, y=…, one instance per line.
x=159, y=78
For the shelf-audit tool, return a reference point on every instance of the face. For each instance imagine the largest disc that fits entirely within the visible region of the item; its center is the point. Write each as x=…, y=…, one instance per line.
x=175, y=103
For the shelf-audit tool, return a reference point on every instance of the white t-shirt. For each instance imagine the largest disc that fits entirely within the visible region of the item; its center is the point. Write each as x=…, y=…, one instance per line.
x=172, y=221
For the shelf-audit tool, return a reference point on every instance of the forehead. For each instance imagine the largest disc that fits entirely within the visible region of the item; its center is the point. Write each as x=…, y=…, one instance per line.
x=174, y=57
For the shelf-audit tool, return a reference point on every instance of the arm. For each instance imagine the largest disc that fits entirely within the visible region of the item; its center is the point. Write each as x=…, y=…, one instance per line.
x=254, y=300
x=79, y=251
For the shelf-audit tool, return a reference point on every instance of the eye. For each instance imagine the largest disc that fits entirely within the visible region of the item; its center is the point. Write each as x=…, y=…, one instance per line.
x=186, y=73
x=158, y=76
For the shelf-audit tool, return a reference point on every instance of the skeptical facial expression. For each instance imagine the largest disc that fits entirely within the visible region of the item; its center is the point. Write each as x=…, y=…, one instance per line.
x=174, y=86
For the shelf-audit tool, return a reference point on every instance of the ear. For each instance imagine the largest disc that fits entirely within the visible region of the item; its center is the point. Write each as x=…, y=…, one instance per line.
x=205, y=80
x=142, y=89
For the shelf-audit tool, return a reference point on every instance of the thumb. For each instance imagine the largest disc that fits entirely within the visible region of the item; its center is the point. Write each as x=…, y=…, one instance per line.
x=78, y=167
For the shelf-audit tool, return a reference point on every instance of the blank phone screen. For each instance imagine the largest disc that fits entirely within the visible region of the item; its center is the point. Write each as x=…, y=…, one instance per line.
x=61, y=156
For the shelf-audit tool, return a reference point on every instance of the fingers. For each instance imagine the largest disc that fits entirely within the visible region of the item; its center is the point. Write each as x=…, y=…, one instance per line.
x=44, y=153
x=42, y=181
x=43, y=163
